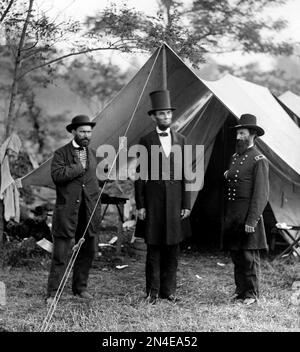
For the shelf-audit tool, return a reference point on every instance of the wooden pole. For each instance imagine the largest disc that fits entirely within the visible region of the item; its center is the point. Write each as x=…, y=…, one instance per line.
x=164, y=69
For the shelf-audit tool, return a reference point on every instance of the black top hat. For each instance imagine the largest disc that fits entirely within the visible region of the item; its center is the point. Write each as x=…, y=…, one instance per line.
x=79, y=120
x=160, y=100
x=249, y=121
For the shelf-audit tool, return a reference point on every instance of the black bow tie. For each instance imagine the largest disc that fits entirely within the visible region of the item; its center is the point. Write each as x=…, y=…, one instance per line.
x=79, y=148
x=163, y=134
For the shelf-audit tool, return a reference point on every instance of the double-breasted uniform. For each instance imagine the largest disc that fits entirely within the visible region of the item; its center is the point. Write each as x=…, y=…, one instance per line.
x=163, y=200
x=77, y=192
x=247, y=192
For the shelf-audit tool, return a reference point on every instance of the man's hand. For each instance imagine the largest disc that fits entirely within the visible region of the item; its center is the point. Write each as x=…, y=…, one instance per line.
x=142, y=214
x=185, y=213
x=249, y=229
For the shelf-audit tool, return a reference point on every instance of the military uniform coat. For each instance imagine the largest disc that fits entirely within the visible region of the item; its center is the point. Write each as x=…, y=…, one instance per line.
x=247, y=184
x=74, y=184
x=163, y=199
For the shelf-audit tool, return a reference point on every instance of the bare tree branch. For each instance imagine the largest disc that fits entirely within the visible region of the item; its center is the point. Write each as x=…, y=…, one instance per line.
x=31, y=47
x=112, y=47
x=14, y=88
x=6, y=10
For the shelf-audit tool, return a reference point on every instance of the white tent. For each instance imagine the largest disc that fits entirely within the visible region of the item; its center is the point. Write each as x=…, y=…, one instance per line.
x=292, y=101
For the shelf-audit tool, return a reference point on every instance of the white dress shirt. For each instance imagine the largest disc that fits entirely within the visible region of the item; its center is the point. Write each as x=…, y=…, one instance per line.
x=82, y=154
x=166, y=142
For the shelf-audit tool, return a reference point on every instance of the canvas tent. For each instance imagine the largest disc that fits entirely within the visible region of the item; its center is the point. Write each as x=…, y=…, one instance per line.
x=280, y=143
x=204, y=113
x=127, y=115
x=292, y=102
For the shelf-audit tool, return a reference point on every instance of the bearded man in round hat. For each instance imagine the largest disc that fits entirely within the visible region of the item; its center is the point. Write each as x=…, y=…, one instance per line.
x=247, y=182
x=73, y=170
x=162, y=201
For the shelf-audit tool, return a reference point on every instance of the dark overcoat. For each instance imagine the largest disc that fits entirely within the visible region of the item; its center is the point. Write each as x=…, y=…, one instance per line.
x=247, y=185
x=74, y=184
x=163, y=199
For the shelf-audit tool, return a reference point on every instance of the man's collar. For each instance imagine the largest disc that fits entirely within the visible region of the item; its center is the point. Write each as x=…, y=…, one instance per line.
x=160, y=131
x=76, y=145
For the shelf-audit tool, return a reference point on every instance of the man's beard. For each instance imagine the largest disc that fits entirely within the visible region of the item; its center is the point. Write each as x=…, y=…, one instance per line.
x=241, y=145
x=84, y=142
x=164, y=127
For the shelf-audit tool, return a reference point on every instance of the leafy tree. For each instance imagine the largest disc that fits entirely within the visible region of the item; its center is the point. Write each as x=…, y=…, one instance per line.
x=205, y=26
x=32, y=38
x=5, y=7
x=95, y=82
x=227, y=26
x=31, y=42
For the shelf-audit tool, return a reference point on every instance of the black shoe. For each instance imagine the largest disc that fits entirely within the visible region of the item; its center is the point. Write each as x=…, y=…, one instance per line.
x=84, y=295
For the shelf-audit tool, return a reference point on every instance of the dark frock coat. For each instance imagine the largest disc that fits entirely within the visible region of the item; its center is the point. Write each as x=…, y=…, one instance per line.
x=74, y=184
x=163, y=199
x=247, y=195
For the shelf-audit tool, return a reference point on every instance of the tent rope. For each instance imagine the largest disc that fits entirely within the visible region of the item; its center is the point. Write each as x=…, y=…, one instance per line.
x=76, y=248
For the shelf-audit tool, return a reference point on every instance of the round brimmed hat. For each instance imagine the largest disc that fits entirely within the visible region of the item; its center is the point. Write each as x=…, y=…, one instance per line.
x=80, y=120
x=249, y=121
x=160, y=100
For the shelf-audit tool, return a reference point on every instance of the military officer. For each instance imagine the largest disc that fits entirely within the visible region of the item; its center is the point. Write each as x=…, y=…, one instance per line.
x=247, y=195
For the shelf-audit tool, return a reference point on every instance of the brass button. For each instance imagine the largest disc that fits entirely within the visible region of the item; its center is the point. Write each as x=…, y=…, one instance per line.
x=77, y=201
x=83, y=185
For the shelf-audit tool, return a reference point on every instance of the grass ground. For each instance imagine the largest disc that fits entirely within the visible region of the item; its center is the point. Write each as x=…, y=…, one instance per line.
x=205, y=284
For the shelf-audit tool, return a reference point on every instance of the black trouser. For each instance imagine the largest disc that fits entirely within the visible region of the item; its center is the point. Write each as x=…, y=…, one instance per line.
x=1, y=221
x=246, y=272
x=61, y=256
x=161, y=269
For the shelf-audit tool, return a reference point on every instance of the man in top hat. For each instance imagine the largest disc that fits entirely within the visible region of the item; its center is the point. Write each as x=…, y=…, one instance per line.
x=162, y=202
x=73, y=170
x=247, y=195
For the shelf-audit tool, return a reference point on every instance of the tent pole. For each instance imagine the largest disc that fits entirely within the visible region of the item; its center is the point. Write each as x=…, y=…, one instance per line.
x=164, y=68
